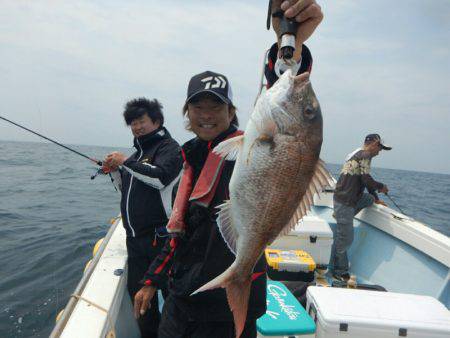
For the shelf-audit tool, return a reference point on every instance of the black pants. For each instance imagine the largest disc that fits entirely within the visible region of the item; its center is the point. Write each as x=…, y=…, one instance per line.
x=141, y=252
x=176, y=323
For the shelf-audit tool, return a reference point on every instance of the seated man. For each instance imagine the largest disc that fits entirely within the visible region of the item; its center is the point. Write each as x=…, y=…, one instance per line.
x=349, y=199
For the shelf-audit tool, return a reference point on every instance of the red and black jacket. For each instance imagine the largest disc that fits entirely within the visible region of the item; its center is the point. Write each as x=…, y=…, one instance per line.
x=269, y=70
x=201, y=254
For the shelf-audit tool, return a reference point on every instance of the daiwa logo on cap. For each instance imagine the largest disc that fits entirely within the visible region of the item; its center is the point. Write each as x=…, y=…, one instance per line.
x=214, y=82
x=211, y=82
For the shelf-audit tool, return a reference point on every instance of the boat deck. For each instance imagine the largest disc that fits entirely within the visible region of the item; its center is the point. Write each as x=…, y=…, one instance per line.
x=377, y=257
x=389, y=250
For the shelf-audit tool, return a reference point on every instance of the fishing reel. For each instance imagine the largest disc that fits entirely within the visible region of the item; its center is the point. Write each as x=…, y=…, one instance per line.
x=288, y=31
x=97, y=172
x=103, y=170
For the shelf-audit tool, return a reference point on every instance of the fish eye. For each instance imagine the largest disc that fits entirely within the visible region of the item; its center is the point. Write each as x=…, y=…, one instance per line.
x=309, y=113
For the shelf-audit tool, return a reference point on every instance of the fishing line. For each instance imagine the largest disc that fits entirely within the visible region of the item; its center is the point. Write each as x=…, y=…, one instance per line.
x=389, y=196
x=55, y=142
x=395, y=203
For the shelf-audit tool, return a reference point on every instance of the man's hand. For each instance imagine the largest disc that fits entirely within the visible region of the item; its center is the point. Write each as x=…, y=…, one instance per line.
x=380, y=202
x=384, y=190
x=114, y=160
x=306, y=12
x=142, y=300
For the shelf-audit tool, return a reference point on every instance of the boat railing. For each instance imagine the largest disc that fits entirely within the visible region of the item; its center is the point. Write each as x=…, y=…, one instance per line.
x=61, y=323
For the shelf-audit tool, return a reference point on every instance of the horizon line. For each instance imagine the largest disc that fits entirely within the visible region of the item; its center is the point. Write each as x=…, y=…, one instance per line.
x=131, y=146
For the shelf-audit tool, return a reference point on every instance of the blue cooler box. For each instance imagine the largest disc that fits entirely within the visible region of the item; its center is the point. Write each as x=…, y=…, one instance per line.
x=285, y=317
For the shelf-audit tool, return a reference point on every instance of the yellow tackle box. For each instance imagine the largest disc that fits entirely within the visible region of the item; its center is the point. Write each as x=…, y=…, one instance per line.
x=290, y=265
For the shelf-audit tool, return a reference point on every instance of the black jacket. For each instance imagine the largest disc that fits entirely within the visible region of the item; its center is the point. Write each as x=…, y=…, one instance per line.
x=201, y=253
x=148, y=177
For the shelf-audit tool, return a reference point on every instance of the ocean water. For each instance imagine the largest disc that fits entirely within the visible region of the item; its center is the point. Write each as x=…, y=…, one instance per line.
x=51, y=215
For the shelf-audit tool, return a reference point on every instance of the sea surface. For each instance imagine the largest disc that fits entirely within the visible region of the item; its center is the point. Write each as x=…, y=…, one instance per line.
x=52, y=214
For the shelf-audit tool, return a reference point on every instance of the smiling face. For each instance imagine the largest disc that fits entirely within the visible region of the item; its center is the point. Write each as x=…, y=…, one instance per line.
x=209, y=116
x=143, y=125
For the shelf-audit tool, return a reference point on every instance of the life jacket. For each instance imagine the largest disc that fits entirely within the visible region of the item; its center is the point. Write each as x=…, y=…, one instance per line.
x=204, y=190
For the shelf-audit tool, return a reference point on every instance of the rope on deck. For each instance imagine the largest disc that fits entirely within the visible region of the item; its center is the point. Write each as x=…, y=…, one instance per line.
x=111, y=333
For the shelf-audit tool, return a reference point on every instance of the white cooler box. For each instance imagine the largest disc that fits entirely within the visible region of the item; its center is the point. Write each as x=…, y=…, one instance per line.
x=313, y=235
x=354, y=313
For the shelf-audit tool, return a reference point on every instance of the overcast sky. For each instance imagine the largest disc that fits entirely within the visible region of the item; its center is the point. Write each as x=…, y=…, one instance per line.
x=67, y=68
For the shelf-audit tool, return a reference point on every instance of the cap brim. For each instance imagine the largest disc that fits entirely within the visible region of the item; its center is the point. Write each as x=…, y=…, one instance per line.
x=221, y=97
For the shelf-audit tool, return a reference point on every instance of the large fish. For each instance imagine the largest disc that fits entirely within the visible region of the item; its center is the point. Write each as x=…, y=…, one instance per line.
x=277, y=171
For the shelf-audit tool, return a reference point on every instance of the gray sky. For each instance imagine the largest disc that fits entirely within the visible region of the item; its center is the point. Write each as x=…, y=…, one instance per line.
x=67, y=68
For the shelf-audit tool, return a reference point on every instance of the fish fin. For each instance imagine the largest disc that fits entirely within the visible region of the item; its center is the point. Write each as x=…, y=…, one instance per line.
x=238, y=292
x=226, y=227
x=268, y=130
x=220, y=281
x=229, y=149
x=324, y=175
x=320, y=179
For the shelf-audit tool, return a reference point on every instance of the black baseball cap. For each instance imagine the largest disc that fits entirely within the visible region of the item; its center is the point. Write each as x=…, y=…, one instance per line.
x=375, y=137
x=210, y=82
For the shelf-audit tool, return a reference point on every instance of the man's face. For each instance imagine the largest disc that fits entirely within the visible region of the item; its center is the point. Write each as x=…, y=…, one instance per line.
x=143, y=125
x=209, y=117
x=374, y=148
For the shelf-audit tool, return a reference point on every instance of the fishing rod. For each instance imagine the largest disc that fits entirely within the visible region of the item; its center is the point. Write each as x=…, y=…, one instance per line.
x=389, y=196
x=101, y=170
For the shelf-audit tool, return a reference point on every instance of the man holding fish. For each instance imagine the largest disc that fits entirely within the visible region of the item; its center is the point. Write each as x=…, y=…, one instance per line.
x=262, y=182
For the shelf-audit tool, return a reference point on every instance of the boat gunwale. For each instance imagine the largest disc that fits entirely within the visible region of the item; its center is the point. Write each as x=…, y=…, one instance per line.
x=414, y=233
x=73, y=301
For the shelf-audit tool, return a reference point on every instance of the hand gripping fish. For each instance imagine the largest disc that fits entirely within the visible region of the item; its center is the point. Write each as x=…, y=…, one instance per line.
x=276, y=174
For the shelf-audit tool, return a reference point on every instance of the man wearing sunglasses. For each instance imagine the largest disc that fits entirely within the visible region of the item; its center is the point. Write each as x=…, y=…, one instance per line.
x=350, y=198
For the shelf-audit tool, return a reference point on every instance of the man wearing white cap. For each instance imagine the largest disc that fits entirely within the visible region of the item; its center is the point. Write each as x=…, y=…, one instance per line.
x=350, y=198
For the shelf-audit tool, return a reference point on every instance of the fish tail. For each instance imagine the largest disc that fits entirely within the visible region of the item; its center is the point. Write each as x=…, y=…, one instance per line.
x=238, y=293
x=220, y=281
